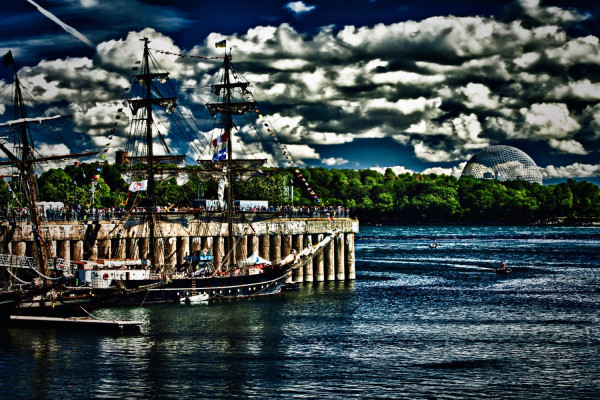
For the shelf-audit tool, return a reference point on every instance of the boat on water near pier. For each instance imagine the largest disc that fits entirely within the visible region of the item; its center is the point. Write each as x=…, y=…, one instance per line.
x=210, y=276
x=254, y=276
x=221, y=270
x=194, y=299
x=78, y=323
x=28, y=287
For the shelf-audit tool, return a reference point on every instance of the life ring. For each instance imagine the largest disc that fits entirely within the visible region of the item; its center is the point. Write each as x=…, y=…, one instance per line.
x=105, y=276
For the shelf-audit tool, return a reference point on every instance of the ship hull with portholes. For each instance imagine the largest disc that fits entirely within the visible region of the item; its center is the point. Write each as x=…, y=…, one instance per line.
x=157, y=290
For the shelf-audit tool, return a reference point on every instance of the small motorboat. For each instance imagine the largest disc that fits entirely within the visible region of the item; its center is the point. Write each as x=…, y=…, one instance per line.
x=433, y=245
x=194, y=299
x=502, y=269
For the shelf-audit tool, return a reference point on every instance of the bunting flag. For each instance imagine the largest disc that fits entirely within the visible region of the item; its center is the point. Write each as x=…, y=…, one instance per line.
x=286, y=154
x=188, y=55
x=220, y=155
x=124, y=203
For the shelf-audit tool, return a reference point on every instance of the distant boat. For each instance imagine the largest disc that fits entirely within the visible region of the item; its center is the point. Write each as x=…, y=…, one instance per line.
x=433, y=245
x=502, y=269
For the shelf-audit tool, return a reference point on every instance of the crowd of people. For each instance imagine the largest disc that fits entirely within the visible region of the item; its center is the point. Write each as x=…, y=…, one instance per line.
x=310, y=212
x=80, y=213
x=65, y=214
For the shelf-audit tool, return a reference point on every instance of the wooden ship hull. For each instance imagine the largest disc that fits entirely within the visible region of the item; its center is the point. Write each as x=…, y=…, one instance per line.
x=151, y=291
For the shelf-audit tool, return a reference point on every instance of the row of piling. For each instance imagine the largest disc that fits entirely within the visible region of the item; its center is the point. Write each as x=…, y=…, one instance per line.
x=267, y=239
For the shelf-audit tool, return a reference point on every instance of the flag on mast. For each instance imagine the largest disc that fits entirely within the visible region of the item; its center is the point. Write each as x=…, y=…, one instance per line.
x=220, y=155
x=222, y=43
x=8, y=59
x=139, y=186
x=221, y=139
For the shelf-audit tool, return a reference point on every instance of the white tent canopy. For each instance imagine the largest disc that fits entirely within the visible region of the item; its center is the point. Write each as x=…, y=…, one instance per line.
x=254, y=259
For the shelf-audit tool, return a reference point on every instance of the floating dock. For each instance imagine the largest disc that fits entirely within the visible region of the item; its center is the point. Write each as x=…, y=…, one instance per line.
x=113, y=326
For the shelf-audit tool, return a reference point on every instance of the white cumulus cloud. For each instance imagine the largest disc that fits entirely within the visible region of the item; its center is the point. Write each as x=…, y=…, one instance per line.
x=299, y=7
x=575, y=170
x=334, y=161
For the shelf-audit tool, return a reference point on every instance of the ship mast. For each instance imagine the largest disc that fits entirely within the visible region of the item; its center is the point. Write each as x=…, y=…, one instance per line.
x=146, y=79
x=26, y=171
x=228, y=130
x=151, y=201
x=228, y=108
x=26, y=160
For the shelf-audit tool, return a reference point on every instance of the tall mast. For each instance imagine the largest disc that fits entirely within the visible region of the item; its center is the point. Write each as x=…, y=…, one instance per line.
x=26, y=171
x=26, y=161
x=228, y=108
x=228, y=130
x=151, y=201
x=146, y=79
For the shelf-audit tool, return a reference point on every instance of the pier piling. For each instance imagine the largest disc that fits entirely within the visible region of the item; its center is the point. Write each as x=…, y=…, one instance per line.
x=271, y=239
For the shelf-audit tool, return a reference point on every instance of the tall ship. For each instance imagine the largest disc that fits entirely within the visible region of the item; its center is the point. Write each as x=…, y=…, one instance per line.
x=207, y=275
x=33, y=285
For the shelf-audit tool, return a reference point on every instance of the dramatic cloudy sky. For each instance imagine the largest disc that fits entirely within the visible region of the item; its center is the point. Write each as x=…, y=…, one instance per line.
x=414, y=85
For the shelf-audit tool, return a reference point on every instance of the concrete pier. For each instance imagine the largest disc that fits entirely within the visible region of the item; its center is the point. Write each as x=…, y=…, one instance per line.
x=271, y=239
x=319, y=263
x=330, y=261
x=308, y=273
x=340, y=274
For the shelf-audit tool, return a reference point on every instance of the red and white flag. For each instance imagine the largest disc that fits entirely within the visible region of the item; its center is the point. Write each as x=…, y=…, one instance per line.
x=221, y=139
x=139, y=186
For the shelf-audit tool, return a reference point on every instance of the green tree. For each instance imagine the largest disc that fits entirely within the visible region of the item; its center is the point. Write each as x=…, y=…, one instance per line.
x=56, y=185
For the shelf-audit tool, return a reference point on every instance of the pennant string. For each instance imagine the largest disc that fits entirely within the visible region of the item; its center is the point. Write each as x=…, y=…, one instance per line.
x=286, y=153
x=188, y=55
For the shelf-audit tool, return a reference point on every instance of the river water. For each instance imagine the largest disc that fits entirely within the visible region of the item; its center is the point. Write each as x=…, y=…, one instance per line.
x=418, y=323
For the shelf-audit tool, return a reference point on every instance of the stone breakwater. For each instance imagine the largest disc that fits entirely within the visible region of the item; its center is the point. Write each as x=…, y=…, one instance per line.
x=179, y=236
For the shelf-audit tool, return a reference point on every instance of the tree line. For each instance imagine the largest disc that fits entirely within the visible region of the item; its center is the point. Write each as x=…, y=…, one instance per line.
x=371, y=196
x=442, y=199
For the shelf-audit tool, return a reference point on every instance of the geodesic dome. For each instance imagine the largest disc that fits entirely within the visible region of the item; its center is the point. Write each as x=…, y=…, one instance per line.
x=504, y=163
